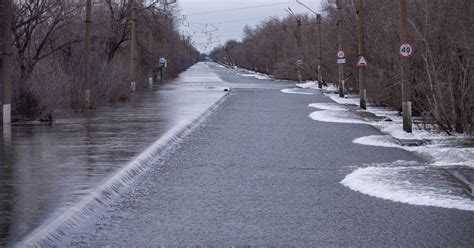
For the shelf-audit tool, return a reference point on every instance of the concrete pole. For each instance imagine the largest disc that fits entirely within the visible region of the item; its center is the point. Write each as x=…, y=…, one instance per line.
x=406, y=85
x=318, y=50
x=87, y=56
x=360, y=37
x=285, y=47
x=299, y=44
x=162, y=75
x=340, y=47
x=133, y=47
x=6, y=53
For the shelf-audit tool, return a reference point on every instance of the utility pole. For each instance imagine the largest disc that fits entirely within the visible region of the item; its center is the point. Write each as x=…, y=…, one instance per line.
x=318, y=50
x=133, y=47
x=285, y=47
x=406, y=85
x=300, y=48
x=362, y=69
x=87, y=57
x=340, y=47
x=6, y=56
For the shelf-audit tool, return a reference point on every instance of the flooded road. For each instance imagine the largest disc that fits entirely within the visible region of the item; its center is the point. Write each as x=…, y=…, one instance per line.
x=46, y=170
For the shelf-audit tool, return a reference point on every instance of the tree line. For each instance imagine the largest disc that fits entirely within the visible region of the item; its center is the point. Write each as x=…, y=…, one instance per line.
x=50, y=59
x=441, y=70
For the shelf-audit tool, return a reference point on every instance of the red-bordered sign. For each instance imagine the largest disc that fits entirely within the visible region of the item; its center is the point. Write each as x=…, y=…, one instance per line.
x=406, y=50
x=362, y=61
x=341, y=54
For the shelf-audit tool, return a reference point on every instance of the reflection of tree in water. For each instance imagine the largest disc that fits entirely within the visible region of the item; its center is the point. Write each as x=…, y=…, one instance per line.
x=6, y=185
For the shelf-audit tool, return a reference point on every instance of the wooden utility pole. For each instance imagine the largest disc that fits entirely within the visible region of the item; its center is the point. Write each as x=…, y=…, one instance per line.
x=362, y=69
x=87, y=57
x=133, y=46
x=340, y=47
x=6, y=10
x=406, y=85
x=318, y=50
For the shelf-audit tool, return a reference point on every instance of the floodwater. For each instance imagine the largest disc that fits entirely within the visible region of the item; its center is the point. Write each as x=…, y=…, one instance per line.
x=47, y=170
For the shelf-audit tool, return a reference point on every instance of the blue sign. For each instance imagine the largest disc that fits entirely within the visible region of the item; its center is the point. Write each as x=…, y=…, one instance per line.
x=163, y=62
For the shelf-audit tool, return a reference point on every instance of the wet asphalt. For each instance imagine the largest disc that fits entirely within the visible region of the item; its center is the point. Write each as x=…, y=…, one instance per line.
x=260, y=172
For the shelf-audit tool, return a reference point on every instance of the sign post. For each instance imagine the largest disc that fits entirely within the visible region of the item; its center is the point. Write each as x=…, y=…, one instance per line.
x=163, y=64
x=299, y=65
x=406, y=51
x=362, y=62
x=341, y=61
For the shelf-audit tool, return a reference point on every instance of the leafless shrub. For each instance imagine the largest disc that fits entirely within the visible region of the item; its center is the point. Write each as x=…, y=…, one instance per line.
x=441, y=71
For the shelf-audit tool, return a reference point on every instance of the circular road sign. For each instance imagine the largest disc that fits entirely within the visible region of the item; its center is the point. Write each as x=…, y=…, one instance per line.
x=341, y=54
x=406, y=50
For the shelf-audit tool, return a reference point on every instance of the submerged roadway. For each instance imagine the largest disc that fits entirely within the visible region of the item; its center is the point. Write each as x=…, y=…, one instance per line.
x=259, y=172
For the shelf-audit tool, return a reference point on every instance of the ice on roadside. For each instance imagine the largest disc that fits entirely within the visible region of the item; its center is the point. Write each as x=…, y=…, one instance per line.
x=257, y=76
x=403, y=182
x=314, y=85
x=296, y=91
x=308, y=85
x=336, y=117
x=327, y=106
x=408, y=182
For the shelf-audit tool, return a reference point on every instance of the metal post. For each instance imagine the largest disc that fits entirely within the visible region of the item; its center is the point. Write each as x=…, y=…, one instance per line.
x=406, y=85
x=340, y=47
x=318, y=50
x=6, y=53
x=361, y=41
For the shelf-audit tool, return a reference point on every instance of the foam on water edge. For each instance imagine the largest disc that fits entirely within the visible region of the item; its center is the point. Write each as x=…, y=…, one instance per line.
x=54, y=229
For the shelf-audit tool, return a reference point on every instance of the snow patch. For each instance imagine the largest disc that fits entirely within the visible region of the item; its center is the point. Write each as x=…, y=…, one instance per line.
x=336, y=116
x=348, y=99
x=327, y=106
x=309, y=85
x=400, y=184
x=377, y=140
x=314, y=85
x=296, y=91
x=257, y=76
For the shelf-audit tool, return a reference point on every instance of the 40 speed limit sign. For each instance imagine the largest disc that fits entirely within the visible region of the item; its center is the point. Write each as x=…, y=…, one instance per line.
x=406, y=50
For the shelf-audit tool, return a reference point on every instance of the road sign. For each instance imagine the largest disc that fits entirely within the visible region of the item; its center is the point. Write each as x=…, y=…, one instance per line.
x=341, y=54
x=362, y=61
x=299, y=62
x=406, y=50
x=163, y=63
x=341, y=61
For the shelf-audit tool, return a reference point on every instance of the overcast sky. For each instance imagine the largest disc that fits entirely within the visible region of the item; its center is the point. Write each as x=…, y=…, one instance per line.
x=229, y=23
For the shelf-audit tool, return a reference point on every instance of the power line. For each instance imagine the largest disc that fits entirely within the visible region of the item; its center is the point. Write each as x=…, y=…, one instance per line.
x=235, y=9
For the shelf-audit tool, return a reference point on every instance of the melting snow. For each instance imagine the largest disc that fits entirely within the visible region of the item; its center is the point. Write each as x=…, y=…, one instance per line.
x=401, y=181
x=336, y=116
x=296, y=91
x=416, y=185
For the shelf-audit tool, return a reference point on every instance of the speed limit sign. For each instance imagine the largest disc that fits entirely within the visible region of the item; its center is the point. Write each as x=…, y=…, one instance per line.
x=406, y=50
x=341, y=54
